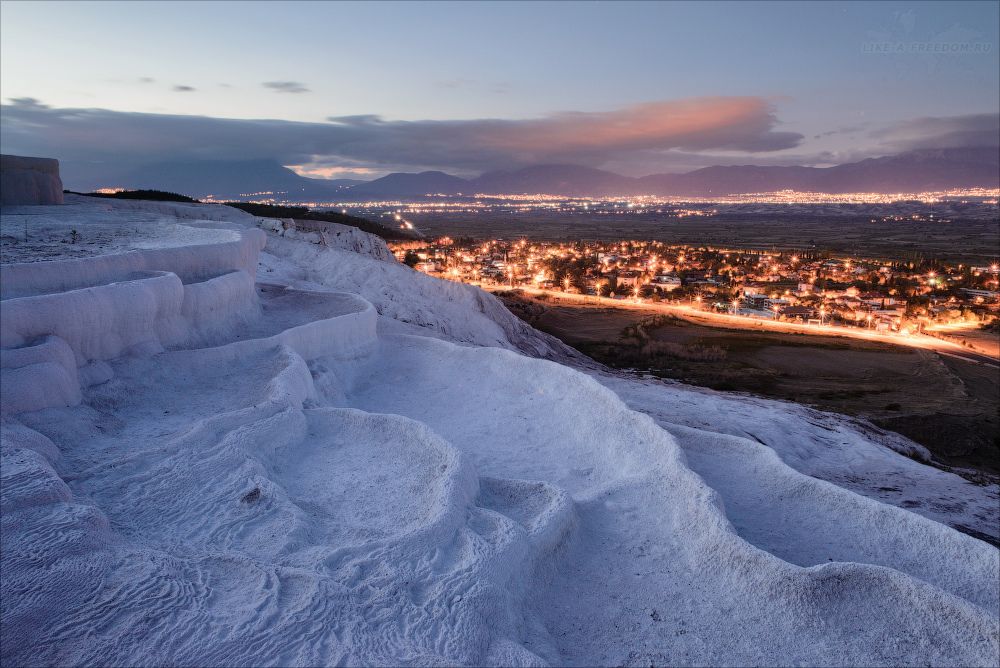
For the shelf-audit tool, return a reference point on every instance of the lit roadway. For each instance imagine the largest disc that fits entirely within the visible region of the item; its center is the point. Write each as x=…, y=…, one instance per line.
x=692, y=313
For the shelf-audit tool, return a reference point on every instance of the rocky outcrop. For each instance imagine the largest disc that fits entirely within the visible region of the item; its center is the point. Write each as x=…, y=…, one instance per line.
x=29, y=180
x=331, y=235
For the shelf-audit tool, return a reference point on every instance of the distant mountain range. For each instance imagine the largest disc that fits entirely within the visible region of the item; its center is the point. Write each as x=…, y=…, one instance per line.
x=915, y=171
x=403, y=183
x=219, y=178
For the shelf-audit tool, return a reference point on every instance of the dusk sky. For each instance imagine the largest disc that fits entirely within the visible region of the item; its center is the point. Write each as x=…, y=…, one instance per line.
x=351, y=89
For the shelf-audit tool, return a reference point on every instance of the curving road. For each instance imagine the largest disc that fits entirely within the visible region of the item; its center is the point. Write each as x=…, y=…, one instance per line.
x=712, y=318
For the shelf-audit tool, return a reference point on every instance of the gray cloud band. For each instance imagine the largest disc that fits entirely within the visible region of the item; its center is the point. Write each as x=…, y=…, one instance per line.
x=743, y=124
x=639, y=134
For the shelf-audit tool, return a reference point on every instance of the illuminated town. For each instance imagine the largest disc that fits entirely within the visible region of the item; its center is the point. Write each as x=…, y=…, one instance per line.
x=473, y=202
x=887, y=297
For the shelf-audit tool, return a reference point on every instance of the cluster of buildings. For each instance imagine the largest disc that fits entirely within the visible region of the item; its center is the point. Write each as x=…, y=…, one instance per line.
x=901, y=296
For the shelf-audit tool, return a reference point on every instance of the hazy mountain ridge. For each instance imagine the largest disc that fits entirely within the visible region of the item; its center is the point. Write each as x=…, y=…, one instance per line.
x=220, y=178
x=568, y=179
x=421, y=183
x=915, y=171
x=931, y=169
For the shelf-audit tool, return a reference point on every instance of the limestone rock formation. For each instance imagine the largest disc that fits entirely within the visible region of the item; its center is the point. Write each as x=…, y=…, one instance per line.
x=29, y=180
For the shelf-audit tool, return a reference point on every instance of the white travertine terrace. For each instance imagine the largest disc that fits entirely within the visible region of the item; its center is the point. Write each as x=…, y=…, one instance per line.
x=146, y=300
